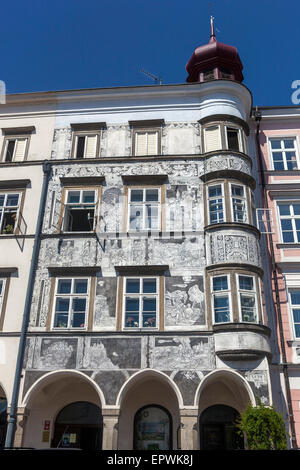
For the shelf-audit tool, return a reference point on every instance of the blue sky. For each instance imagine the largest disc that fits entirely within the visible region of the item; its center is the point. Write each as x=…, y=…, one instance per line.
x=72, y=44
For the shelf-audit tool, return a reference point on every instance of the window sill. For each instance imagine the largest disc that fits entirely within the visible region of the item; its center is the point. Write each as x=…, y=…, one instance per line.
x=288, y=245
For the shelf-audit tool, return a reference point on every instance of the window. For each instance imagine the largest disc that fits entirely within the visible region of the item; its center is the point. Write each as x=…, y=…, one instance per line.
x=86, y=146
x=9, y=207
x=71, y=303
x=146, y=142
x=221, y=299
x=289, y=213
x=144, y=209
x=233, y=138
x=238, y=201
x=284, y=154
x=80, y=210
x=247, y=299
x=295, y=306
x=15, y=149
x=216, y=204
x=225, y=74
x=212, y=138
x=141, y=302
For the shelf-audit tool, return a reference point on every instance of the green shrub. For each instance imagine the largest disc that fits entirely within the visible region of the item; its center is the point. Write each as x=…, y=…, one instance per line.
x=263, y=427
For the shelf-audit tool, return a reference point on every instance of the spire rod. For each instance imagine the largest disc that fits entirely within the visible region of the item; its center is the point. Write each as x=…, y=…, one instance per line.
x=212, y=28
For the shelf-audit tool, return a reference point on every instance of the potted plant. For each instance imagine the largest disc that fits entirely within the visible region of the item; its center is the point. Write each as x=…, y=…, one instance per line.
x=8, y=229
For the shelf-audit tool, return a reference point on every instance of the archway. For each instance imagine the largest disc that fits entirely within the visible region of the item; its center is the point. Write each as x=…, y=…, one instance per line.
x=218, y=430
x=3, y=417
x=143, y=391
x=78, y=425
x=51, y=394
x=152, y=428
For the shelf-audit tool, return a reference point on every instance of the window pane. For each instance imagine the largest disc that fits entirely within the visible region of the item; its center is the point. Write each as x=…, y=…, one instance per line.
x=214, y=191
x=288, y=237
x=149, y=304
x=79, y=305
x=1, y=287
x=295, y=297
x=12, y=200
x=136, y=195
x=275, y=143
x=221, y=308
x=278, y=165
x=248, y=307
x=296, y=208
x=220, y=283
x=64, y=286
x=297, y=331
x=296, y=315
x=132, y=304
x=62, y=305
x=10, y=150
x=284, y=209
x=80, y=286
x=73, y=197
x=132, y=286
x=78, y=320
x=286, y=224
x=149, y=321
x=237, y=191
x=61, y=320
x=2, y=200
x=291, y=160
x=151, y=194
x=80, y=147
x=136, y=218
x=131, y=320
x=149, y=286
x=233, y=139
x=88, y=197
x=151, y=217
x=289, y=143
x=246, y=283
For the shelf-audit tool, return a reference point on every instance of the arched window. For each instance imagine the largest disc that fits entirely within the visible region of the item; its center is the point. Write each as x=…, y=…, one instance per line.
x=152, y=429
x=79, y=425
x=218, y=430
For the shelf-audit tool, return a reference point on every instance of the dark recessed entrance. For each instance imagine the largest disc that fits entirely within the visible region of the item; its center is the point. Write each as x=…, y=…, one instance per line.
x=79, y=425
x=152, y=429
x=218, y=430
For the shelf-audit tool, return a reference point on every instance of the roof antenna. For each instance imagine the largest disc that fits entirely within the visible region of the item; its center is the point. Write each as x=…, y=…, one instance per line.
x=154, y=77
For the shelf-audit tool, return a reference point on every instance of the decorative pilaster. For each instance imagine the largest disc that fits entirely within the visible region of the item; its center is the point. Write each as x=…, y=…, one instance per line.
x=110, y=429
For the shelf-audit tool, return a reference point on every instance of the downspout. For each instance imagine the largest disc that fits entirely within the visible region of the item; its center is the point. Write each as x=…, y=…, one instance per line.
x=11, y=427
x=284, y=364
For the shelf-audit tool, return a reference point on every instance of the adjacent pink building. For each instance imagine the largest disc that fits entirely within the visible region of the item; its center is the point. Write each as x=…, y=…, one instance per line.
x=277, y=137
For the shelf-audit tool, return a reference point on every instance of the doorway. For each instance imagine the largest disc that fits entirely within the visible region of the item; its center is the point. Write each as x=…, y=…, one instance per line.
x=152, y=429
x=218, y=430
x=79, y=425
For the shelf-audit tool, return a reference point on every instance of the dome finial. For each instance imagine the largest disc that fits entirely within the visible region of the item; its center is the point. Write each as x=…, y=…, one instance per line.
x=212, y=29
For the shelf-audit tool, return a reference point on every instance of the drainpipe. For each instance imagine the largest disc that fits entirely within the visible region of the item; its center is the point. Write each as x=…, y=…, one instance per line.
x=284, y=363
x=11, y=427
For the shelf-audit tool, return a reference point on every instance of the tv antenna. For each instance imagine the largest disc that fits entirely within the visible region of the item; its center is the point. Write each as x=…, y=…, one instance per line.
x=154, y=77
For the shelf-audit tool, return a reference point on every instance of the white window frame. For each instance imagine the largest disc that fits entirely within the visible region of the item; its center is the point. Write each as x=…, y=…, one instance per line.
x=250, y=293
x=214, y=198
x=3, y=282
x=147, y=132
x=283, y=150
x=139, y=296
x=239, y=131
x=221, y=293
x=85, y=135
x=5, y=208
x=143, y=204
x=67, y=205
x=71, y=296
x=290, y=217
x=245, y=199
x=291, y=307
x=205, y=139
x=16, y=140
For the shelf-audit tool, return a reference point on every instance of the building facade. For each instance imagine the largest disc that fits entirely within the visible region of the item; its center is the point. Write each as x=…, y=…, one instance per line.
x=277, y=132
x=148, y=326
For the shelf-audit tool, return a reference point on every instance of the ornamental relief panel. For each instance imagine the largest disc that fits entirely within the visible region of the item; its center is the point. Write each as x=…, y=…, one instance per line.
x=227, y=162
x=240, y=248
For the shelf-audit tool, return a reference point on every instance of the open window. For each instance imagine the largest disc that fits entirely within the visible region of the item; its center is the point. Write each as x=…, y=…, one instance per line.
x=16, y=143
x=80, y=210
x=86, y=140
x=9, y=210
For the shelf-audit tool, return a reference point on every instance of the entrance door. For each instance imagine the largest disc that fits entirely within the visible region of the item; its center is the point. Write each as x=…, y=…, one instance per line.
x=152, y=429
x=218, y=430
x=79, y=425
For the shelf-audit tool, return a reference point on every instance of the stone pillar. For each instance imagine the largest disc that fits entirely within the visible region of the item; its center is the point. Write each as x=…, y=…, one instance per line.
x=188, y=432
x=22, y=415
x=110, y=428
